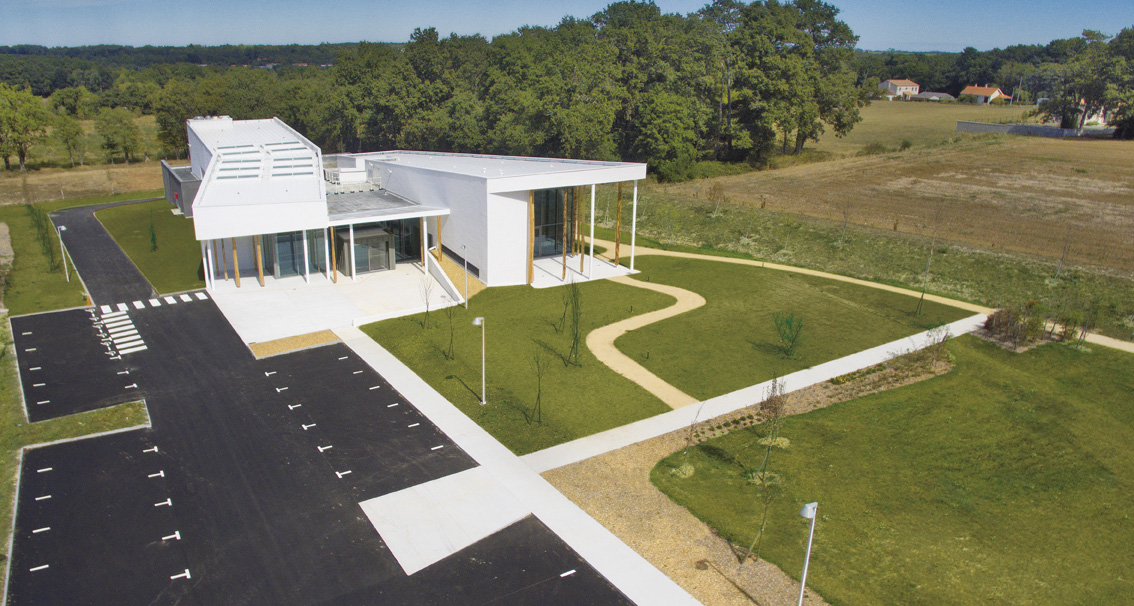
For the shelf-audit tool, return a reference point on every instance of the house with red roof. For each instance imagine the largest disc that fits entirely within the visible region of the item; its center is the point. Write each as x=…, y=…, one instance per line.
x=983, y=94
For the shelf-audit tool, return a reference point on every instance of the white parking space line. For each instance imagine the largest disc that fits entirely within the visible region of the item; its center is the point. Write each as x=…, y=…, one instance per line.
x=184, y=575
x=412, y=425
x=293, y=406
x=44, y=469
x=342, y=473
x=357, y=372
x=44, y=567
x=176, y=536
x=322, y=448
x=186, y=298
x=166, y=503
x=568, y=573
x=25, y=333
x=35, y=368
x=43, y=498
x=391, y=405
x=375, y=387
x=154, y=449
x=159, y=474
x=139, y=305
x=438, y=447
x=44, y=402
x=39, y=530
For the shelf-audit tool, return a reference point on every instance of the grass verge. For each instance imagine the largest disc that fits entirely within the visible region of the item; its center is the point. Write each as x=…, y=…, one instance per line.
x=32, y=284
x=16, y=432
x=1006, y=479
x=519, y=320
x=176, y=264
x=731, y=342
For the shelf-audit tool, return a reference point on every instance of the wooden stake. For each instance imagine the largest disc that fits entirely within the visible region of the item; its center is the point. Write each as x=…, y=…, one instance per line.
x=424, y=242
x=618, y=227
x=259, y=260
x=334, y=271
x=531, y=236
x=235, y=263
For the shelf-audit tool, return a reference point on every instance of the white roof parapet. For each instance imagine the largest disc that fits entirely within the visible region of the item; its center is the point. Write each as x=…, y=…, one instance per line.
x=257, y=163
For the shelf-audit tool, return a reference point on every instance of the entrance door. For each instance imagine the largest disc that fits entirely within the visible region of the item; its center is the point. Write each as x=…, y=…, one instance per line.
x=289, y=254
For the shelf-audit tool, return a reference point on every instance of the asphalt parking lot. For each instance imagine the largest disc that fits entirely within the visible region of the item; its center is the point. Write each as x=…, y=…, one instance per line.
x=65, y=367
x=246, y=488
x=96, y=526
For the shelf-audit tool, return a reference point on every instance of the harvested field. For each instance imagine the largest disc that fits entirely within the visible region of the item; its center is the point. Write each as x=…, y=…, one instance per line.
x=1022, y=194
x=66, y=183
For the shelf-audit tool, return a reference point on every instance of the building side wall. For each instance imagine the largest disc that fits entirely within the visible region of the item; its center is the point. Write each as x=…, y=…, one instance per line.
x=467, y=223
x=508, y=234
x=199, y=155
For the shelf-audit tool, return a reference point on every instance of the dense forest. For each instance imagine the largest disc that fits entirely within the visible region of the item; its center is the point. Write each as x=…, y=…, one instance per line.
x=733, y=82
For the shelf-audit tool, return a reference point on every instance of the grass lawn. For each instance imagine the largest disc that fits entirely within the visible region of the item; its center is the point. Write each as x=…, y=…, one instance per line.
x=922, y=124
x=731, y=342
x=15, y=432
x=1007, y=480
x=520, y=320
x=176, y=264
x=31, y=285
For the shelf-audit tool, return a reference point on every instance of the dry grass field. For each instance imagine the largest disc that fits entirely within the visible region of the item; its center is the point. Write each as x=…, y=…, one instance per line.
x=66, y=183
x=1023, y=194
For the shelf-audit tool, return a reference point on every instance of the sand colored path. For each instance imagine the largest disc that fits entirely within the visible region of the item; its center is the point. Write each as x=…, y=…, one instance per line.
x=601, y=341
x=1091, y=337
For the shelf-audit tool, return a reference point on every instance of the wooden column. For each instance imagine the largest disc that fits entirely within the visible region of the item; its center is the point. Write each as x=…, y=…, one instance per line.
x=531, y=236
x=235, y=263
x=259, y=261
x=618, y=226
x=566, y=228
x=334, y=274
x=438, y=255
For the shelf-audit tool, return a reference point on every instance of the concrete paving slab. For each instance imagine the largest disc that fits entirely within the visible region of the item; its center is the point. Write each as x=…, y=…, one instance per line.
x=549, y=271
x=610, y=557
x=426, y=523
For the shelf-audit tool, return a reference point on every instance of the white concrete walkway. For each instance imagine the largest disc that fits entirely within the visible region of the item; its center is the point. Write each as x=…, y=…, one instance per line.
x=518, y=483
x=290, y=306
x=619, y=437
x=548, y=271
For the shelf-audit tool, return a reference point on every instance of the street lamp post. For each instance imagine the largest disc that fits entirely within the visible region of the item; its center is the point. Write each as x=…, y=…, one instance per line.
x=483, y=388
x=63, y=251
x=808, y=511
x=465, y=256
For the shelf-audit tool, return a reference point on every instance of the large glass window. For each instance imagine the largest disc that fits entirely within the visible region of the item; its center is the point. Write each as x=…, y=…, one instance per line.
x=379, y=246
x=289, y=254
x=549, y=226
x=316, y=254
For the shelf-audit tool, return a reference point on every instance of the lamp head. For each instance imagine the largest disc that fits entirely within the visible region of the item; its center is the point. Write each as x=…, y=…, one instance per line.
x=478, y=321
x=808, y=510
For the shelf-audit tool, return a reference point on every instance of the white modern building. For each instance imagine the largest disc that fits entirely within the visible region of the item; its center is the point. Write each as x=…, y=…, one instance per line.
x=268, y=205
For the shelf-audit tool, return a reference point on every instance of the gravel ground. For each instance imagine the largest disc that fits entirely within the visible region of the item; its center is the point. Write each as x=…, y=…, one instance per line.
x=279, y=346
x=615, y=489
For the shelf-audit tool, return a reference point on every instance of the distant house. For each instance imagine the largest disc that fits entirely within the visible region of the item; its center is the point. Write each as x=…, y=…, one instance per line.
x=983, y=94
x=930, y=96
x=899, y=88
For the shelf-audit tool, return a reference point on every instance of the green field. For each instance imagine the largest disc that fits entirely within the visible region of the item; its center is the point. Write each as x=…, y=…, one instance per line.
x=922, y=124
x=32, y=285
x=1007, y=480
x=731, y=342
x=176, y=264
x=520, y=320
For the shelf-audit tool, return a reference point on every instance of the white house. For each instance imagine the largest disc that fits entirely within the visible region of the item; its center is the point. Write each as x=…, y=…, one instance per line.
x=266, y=203
x=899, y=88
x=983, y=94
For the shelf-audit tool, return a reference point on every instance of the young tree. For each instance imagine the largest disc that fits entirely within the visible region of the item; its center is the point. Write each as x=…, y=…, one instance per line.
x=576, y=298
x=790, y=330
x=450, y=311
x=772, y=412
x=69, y=132
x=23, y=122
x=426, y=293
x=540, y=365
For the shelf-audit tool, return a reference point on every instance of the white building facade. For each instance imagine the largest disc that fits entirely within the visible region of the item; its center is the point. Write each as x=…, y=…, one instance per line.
x=266, y=204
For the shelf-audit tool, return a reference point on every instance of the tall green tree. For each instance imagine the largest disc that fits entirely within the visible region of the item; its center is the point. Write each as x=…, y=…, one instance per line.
x=23, y=122
x=119, y=132
x=69, y=133
x=173, y=106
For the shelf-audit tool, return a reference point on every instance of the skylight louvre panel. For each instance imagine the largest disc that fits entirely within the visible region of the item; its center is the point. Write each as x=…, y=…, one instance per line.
x=242, y=145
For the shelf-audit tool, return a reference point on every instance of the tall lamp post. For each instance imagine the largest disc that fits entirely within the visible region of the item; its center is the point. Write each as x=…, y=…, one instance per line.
x=808, y=512
x=483, y=388
x=465, y=256
x=63, y=251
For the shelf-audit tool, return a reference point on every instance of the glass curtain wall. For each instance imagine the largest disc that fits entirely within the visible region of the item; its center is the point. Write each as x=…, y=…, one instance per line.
x=549, y=226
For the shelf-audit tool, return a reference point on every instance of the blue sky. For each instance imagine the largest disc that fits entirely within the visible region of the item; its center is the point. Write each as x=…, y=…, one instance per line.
x=880, y=24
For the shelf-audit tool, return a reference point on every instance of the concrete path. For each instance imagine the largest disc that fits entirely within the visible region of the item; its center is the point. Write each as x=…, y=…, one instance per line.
x=601, y=341
x=622, y=566
x=619, y=437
